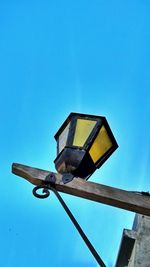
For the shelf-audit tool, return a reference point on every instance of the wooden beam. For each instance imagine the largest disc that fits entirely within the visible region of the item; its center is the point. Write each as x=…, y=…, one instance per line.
x=119, y=198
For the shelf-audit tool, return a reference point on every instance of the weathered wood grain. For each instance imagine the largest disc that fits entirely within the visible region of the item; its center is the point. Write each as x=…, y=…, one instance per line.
x=93, y=191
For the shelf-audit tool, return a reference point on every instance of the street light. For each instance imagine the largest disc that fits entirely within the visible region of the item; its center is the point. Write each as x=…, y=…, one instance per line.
x=84, y=143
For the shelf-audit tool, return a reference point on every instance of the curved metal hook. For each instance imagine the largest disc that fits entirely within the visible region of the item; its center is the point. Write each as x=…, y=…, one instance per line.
x=45, y=192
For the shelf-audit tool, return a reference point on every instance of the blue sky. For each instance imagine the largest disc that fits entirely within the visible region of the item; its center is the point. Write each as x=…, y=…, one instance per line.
x=58, y=57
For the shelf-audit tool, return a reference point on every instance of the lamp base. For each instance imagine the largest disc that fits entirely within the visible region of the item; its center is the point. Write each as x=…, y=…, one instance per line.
x=76, y=162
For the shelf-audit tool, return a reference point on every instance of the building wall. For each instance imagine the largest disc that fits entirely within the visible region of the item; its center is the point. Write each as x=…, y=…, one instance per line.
x=135, y=244
x=140, y=256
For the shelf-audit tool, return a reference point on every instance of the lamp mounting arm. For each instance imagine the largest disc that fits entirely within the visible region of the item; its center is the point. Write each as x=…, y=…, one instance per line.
x=132, y=201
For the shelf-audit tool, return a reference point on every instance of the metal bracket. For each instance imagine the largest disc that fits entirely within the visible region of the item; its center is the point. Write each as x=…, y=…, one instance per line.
x=50, y=179
x=45, y=193
x=67, y=177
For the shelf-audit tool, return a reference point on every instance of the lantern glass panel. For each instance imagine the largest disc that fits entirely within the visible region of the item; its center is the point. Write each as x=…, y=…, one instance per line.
x=101, y=145
x=63, y=138
x=82, y=131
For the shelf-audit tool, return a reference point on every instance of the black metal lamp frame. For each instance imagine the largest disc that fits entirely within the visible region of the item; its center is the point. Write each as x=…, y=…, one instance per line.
x=100, y=121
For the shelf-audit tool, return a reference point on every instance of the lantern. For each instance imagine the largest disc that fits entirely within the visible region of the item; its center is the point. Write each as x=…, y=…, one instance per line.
x=84, y=143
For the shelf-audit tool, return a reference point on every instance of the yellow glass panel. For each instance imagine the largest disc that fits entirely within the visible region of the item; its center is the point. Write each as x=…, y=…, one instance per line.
x=101, y=145
x=63, y=138
x=82, y=131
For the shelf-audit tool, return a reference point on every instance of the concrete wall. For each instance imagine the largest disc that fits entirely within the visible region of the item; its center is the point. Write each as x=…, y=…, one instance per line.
x=135, y=244
x=140, y=256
